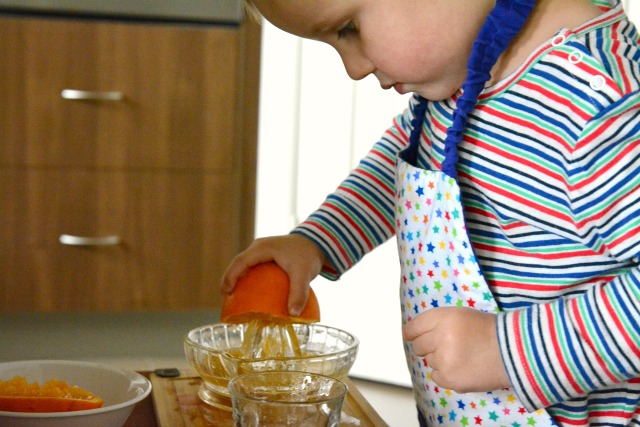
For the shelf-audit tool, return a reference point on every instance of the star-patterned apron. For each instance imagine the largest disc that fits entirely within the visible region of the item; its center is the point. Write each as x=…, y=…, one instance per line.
x=439, y=269
x=438, y=265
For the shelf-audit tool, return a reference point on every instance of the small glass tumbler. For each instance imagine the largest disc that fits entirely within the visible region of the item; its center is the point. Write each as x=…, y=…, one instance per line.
x=286, y=398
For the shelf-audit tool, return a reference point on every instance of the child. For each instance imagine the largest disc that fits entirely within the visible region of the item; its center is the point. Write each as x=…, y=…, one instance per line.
x=512, y=185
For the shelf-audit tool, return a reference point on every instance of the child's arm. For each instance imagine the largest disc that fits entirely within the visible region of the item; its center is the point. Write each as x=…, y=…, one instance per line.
x=589, y=340
x=359, y=215
x=353, y=220
x=350, y=223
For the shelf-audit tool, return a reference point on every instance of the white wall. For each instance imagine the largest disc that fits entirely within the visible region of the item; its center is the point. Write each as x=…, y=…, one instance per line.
x=632, y=7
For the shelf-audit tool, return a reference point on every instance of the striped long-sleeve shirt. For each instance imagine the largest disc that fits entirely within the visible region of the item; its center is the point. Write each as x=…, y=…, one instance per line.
x=549, y=170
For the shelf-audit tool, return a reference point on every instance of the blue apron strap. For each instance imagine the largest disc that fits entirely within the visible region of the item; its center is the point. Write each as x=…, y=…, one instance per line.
x=410, y=154
x=503, y=23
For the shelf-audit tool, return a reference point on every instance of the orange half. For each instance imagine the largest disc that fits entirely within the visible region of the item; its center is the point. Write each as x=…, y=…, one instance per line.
x=17, y=395
x=262, y=293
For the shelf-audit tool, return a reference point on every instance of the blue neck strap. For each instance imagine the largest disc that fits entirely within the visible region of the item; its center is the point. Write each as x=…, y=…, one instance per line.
x=503, y=23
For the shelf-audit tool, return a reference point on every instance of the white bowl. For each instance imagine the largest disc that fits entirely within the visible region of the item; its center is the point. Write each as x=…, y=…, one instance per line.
x=119, y=389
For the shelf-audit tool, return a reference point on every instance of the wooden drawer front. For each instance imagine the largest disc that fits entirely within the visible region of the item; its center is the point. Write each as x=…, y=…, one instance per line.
x=176, y=229
x=178, y=85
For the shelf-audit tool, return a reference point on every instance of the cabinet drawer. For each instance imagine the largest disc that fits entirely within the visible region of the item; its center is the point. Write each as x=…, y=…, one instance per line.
x=177, y=234
x=159, y=96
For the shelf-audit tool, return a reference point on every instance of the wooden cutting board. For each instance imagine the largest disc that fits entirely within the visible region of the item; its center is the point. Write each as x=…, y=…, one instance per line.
x=177, y=404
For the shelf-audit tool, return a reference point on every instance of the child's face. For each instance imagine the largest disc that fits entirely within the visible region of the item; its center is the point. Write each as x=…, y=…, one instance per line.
x=411, y=45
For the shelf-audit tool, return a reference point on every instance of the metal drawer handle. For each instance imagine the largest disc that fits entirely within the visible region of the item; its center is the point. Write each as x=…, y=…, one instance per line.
x=67, y=239
x=85, y=95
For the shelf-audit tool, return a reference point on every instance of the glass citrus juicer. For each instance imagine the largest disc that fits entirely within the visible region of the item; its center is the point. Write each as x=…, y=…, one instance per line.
x=257, y=334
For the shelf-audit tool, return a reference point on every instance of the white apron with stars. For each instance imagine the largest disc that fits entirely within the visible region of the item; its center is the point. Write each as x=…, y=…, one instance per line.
x=438, y=269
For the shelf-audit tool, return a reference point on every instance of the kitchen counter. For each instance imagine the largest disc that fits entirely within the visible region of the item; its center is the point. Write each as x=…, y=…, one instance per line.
x=91, y=336
x=146, y=341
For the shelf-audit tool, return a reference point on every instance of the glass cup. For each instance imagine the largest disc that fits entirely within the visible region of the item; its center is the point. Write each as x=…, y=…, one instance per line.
x=286, y=398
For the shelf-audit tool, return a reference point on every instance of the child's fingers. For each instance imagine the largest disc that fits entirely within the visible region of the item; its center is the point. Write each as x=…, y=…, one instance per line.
x=231, y=276
x=298, y=290
x=240, y=265
x=418, y=326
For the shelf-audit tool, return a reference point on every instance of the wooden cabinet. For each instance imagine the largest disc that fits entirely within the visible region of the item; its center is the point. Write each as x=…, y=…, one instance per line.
x=154, y=168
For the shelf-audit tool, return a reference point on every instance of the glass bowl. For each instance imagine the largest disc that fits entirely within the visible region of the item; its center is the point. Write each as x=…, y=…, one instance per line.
x=289, y=398
x=213, y=351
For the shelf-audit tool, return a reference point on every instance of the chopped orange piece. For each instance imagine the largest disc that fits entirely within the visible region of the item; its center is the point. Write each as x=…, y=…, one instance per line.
x=262, y=293
x=18, y=395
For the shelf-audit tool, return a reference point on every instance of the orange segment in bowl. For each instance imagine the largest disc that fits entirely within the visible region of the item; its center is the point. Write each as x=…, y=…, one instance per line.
x=17, y=395
x=262, y=293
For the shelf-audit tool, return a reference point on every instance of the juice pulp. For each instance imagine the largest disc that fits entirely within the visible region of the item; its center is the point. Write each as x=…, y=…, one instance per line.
x=265, y=339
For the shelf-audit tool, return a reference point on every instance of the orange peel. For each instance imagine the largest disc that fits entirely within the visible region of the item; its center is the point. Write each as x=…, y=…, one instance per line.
x=262, y=293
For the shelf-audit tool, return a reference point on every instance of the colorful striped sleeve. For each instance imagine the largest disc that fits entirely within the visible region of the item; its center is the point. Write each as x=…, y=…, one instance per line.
x=590, y=343
x=358, y=216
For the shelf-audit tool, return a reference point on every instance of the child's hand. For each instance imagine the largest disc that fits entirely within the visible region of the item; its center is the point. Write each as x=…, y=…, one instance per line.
x=298, y=256
x=461, y=346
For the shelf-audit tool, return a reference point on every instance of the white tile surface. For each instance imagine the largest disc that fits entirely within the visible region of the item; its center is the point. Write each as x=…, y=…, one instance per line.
x=394, y=404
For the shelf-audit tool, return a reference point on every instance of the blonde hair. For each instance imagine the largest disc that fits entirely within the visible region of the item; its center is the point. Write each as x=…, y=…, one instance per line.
x=252, y=11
